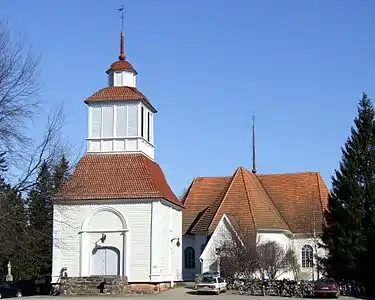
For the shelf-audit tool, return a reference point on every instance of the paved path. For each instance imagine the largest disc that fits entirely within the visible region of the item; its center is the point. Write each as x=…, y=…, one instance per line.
x=180, y=293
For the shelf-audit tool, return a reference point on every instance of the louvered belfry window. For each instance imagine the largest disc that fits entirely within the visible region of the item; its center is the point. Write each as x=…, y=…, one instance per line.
x=96, y=122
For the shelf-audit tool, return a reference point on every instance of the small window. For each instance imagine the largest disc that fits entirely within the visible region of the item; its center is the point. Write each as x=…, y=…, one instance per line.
x=189, y=258
x=148, y=126
x=142, y=121
x=307, y=256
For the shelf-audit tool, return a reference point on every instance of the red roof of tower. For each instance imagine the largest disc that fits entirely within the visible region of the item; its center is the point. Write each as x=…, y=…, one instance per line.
x=117, y=176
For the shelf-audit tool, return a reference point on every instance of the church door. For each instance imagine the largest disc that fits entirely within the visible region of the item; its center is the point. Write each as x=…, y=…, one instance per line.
x=106, y=261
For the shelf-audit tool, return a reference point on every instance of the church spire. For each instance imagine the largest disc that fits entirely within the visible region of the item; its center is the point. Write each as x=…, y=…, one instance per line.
x=122, y=52
x=254, y=170
x=121, y=72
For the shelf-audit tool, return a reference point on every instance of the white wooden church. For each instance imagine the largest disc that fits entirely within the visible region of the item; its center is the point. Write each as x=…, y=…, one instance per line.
x=117, y=214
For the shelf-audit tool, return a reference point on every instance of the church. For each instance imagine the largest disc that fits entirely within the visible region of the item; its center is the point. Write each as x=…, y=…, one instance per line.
x=117, y=215
x=285, y=208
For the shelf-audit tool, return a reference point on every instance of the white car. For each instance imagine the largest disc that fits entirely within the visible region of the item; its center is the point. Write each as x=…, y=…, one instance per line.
x=211, y=284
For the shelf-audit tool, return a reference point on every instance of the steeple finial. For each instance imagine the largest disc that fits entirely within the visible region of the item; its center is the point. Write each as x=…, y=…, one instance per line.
x=122, y=52
x=254, y=170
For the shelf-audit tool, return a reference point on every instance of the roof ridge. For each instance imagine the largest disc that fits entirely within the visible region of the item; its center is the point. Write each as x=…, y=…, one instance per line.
x=248, y=198
x=270, y=203
x=212, y=176
x=224, y=197
x=289, y=173
x=187, y=191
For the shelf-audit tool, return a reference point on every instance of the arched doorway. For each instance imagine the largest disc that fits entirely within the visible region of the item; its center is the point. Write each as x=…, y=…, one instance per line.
x=107, y=257
x=106, y=261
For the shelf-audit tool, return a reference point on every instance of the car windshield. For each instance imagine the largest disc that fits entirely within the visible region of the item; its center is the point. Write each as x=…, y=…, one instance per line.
x=5, y=285
x=325, y=281
x=208, y=280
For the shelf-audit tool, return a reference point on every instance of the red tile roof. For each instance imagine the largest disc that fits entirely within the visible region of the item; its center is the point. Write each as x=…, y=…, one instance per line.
x=121, y=65
x=119, y=93
x=293, y=202
x=117, y=176
x=300, y=197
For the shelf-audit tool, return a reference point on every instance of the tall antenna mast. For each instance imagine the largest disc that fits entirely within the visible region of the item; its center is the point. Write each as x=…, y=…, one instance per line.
x=254, y=170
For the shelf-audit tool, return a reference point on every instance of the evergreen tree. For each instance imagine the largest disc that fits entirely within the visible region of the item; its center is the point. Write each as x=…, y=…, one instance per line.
x=350, y=215
x=41, y=221
x=13, y=227
x=61, y=174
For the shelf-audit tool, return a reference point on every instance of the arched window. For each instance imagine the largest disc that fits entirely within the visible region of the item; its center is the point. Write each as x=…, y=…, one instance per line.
x=202, y=248
x=307, y=256
x=189, y=258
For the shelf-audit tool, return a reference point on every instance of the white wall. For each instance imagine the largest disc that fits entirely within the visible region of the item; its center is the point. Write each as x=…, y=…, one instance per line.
x=221, y=235
x=68, y=238
x=285, y=239
x=143, y=238
x=176, y=232
x=298, y=243
x=166, y=243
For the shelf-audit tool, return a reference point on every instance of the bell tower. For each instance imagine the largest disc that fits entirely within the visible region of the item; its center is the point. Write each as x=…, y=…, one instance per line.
x=120, y=117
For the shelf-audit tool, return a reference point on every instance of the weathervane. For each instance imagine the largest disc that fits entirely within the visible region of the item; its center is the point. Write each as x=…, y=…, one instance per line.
x=121, y=9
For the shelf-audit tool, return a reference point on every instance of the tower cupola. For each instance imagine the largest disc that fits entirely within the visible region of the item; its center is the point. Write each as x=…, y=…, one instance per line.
x=121, y=72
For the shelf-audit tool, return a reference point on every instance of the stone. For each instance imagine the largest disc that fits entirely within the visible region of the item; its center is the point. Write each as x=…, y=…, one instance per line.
x=94, y=285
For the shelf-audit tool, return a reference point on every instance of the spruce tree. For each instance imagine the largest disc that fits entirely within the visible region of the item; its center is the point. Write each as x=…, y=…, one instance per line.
x=40, y=216
x=13, y=227
x=61, y=174
x=350, y=215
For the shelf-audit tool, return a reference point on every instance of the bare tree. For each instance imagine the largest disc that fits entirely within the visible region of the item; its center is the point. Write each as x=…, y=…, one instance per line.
x=19, y=87
x=274, y=261
x=236, y=251
x=19, y=108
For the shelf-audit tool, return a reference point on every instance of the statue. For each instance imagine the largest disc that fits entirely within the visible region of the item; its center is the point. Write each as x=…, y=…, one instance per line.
x=9, y=277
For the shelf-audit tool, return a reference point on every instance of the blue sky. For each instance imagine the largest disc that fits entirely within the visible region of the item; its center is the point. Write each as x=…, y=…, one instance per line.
x=206, y=66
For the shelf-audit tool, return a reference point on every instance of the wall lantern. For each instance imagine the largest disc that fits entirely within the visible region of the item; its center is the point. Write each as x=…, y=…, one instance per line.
x=178, y=241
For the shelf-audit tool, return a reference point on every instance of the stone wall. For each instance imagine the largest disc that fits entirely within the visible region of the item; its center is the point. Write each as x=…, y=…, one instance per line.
x=148, y=288
x=94, y=285
x=115, y=285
